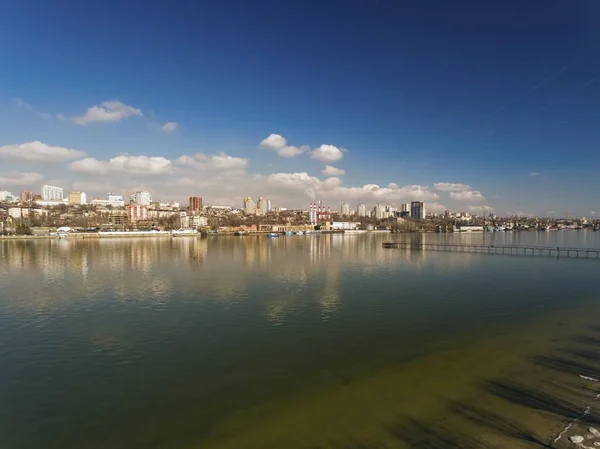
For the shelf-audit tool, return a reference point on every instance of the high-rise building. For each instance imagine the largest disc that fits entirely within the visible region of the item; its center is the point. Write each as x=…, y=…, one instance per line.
x=345, y=209
x=269, y=209
x=5, y=195
x=52, y=193
x=380, y=212
x=249, y=206
x=417, y=210
x=261, y=206
x=26, y=196
x=77, y=198
x=195, y=203
x=361, y=210
x=141, y=198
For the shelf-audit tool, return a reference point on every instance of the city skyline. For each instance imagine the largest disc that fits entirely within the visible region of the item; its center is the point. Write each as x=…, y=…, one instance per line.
x=444, y=121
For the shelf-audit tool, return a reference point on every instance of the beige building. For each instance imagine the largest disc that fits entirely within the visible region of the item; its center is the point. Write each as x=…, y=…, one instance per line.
x=77, y=198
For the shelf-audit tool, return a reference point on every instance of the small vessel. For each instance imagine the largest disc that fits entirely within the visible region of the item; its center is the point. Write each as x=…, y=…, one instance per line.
x=289, y=233
x=272, y=235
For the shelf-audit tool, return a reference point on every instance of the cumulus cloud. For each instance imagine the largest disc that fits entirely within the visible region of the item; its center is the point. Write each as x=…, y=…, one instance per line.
x=37, y=151
x=278, y=144
x=274, y=142
x=169, y=127
x=219, y=162
x=333, y=171
x=132, y=165
x=451, y=187
x=467, y=195
x=480, y=209
x=327, y=153
x=15, y=178
x=109, y=111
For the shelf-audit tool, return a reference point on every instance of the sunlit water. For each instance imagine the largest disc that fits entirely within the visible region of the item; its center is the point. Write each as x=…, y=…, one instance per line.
x=302, y=341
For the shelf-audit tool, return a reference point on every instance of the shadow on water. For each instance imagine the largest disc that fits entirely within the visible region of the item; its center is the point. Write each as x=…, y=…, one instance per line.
x=424, y=436
x=556, y=390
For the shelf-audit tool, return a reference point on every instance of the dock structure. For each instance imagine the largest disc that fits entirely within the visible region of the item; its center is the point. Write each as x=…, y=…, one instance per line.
x=510, y=250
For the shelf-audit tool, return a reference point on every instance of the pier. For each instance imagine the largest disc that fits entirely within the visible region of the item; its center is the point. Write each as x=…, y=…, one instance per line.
x=509, y=250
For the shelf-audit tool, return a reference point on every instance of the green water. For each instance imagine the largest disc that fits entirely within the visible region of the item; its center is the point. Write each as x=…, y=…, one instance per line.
x=297, y=342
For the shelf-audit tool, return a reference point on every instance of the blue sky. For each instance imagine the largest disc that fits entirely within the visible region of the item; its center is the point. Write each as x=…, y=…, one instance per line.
x=470, y=96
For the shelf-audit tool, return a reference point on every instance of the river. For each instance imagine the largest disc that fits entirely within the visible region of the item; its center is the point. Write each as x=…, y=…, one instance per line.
x=321, y=341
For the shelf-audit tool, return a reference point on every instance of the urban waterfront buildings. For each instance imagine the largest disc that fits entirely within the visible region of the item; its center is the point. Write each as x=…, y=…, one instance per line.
x=195, y=203
x=261, y=206
x=345, y=209
x=52, y=193
x=77, y=198
x=27, y=196
x=137, y=212
x=249, y=206
x=417, y=210
x=141, y=198
x=361, y=210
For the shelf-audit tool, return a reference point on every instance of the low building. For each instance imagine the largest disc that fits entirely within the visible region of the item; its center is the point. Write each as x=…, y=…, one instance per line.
x=469, y=228
x=345, y=225
x=197, y=221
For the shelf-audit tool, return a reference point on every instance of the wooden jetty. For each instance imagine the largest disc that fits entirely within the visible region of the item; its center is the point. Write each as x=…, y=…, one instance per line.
x=511, y=250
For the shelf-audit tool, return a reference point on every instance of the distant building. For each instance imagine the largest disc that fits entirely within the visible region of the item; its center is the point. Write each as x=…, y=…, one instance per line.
x=249, y=206
x=380, y=212
x=115, y=199
x=346, y=225
x=345, y=209
x=197, y=221
x=137, y=212
x=261, y=206
x=405, y=208
x=361, y=210
x=5, y=195
x=77, y=198
x=141, y=198
x=111, y=200
x=417, y=210
x=195, y=203
x=52, y=193
x=269, y=209
x=26, y=196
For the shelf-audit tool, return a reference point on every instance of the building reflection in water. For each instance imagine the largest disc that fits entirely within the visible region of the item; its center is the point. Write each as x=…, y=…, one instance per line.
x=286, y=273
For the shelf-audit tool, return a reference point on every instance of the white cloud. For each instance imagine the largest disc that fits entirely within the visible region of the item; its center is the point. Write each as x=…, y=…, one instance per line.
x=37, y=151
x=467, y=195
x=15, y=178
x=290, y=151
x=109, y=111
x=451, y=187
x=333, y=171
x=274, y=142
x=169, y=127
x=480, y=209
x=278, y=144
x=90, y=166
x=219, y=162
x=132, y=165
x=534, y=173
x=327, y=153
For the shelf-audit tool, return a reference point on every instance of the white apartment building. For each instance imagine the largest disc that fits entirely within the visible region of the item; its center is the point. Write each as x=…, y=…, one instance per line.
x=141, y=198
x=52, y=193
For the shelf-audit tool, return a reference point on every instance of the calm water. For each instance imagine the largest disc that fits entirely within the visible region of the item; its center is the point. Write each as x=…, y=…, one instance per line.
x=296, y=342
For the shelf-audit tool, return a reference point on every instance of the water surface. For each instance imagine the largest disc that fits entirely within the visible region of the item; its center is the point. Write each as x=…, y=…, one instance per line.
x=303, y=341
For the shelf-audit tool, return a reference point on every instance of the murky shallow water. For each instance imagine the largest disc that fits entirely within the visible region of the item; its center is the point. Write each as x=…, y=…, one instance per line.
x=305, y=341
